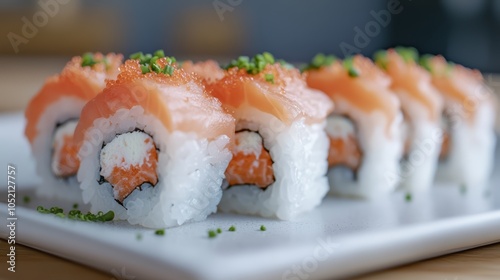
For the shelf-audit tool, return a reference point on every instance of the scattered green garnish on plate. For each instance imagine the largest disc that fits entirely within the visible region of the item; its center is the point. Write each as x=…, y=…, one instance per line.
x=212, y=234
x=26, y=199
x=160, y=231
x=138, y=236
x=262, y=228
x=78, y=215
x=219, y=230
x=232, y=228
x=408, y=197
x=75, y=205
x=463, y=189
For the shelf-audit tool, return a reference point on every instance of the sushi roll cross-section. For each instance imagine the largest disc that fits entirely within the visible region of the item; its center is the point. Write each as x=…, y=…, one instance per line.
x=364, y=129
x=280, y=149
x=52, y=116
x=154, y=145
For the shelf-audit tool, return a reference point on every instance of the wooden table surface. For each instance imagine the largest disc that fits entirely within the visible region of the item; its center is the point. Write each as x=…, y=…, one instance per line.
x=16, y=90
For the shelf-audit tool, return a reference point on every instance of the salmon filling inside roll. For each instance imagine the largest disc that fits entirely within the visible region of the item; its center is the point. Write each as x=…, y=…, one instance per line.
x=128, y=162
x=251, y=163
x=344, y=149
x=65, y=161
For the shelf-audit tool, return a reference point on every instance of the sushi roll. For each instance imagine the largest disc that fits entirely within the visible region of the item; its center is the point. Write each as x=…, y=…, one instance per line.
x=364, y=130
x=278, y=166
x=467, y=153
x=51, y=118
x=422, y=107
x=154, y=145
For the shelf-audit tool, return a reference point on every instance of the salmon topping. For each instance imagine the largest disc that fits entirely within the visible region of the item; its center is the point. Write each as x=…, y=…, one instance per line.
x=251, y=163
x=129, y=161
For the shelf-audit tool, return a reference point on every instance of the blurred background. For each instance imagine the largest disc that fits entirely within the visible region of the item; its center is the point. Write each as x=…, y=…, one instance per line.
x=37, y=37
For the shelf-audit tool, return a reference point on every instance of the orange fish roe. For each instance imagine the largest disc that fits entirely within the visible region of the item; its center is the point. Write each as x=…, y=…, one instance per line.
x=344, y=151
x=250, y=168
x=125, y=178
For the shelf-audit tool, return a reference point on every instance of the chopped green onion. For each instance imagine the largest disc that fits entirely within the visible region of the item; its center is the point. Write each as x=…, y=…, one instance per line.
x=145, y=69
x=408, y=197
x=168, y=70
x=380, y=58
x=75, y=206
x=320, y=60
x=159, y=53
x=42, y=210
x=232, y=228
x=88, y=60
x=60, y=215
x=156, y=68
x=425, y=62
x=262, y=228
x=253, y=66
x=219, y=230
x=349, y=66
x=463, y=189
x=269, y=78
x=408, y=54
x=160, y=231
x=137, y=55
x=212, y=234
x=26, y=199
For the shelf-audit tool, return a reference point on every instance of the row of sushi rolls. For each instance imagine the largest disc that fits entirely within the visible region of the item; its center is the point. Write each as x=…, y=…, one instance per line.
x=162, y=142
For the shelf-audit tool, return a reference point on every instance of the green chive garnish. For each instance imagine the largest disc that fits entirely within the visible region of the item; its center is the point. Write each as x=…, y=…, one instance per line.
x=75, y=206
x=253, y=66
x=463, y=189
x=269, y=78
x=42, y=210
x=408, y=197
x=88, y=60
x=380, y=58
x=159, y=53
x=212, y=234
x=219, y=230
x=232, y=228
x=320, y=60
x=408, y=54
x=160, y=231
x=149, y=64
x=425, y=62
x=262, y=228
x=145, y=69
x=168, y=70
x=26, y=199
x=349, y=66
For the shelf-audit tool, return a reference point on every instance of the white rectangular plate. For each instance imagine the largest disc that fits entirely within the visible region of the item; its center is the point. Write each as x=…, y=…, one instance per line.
x=342, y=237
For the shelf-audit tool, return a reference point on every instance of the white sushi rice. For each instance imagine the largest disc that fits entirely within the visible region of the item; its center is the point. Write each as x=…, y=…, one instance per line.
x=381, y=149
x=418, y=168
x=190, y=172
x=299, y=153
x=471, y=156
x=66, y=108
